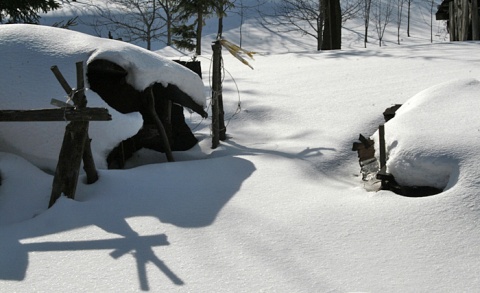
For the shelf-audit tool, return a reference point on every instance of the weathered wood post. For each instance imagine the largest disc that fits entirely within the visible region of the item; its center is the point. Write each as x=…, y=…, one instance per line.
x=88, y=162
x=216, y=87
x=218, y=121
x=381, y=135
x=75, y=142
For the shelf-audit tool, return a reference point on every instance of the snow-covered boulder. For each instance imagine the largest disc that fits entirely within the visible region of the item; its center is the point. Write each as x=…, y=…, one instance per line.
x=434, y=134
x=26, y=82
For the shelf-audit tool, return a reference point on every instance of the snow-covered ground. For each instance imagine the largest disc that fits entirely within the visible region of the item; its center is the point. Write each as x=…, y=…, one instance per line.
x=280, y=206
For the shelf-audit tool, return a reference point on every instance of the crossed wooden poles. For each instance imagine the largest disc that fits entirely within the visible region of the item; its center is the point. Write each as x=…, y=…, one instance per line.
x=76, y=143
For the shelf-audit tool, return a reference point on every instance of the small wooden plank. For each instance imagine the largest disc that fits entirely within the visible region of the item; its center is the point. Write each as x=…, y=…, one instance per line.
x=60, y=104
x=70, y=114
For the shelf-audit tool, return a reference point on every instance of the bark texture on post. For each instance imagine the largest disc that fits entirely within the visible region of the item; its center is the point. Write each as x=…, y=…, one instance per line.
x=75, y=146
x=70, y=158
x=216, y=92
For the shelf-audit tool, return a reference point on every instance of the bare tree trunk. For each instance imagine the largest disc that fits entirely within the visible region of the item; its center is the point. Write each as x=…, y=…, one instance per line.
x=432, y=4
x=475, y=23
x=400, y=4
x=465, y=20
x=198, y=49
x=368, y=5
x=408, y=18
x=320, y=23
x=332, y=32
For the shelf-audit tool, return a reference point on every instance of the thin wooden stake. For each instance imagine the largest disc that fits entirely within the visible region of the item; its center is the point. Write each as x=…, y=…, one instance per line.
x=161, y=129
x=67, y=88
x=381, y=134
x=216, y=91
x=81, y=102
x=69, y=161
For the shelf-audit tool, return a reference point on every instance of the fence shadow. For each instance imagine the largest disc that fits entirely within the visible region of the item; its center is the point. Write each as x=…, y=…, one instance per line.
x=170, y=198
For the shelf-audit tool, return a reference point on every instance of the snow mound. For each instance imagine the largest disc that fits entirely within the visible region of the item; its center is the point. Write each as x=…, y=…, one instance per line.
x=423, y=148
x=26, y=82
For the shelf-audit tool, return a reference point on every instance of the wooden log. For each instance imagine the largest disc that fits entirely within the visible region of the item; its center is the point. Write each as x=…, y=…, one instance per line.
x=86, y=114
x=69, y=160
x=89, y=163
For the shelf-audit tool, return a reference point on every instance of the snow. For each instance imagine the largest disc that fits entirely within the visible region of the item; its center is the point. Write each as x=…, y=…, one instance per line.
x=280, y=206
x=34, y=49
x=434, y=134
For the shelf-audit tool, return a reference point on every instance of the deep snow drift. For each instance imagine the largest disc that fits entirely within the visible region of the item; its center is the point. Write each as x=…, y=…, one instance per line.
x=433, y=135
x=279, y=206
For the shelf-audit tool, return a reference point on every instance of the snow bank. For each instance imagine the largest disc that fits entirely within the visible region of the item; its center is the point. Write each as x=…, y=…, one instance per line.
x=26, y=82
x=433, y=133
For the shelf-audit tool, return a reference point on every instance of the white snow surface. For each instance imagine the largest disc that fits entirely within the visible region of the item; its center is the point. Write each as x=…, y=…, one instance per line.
x=279, y=206
x=27, y=83
x=433, y=134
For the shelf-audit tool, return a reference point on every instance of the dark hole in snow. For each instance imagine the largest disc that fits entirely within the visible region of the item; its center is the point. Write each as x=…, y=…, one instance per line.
x=375, y=177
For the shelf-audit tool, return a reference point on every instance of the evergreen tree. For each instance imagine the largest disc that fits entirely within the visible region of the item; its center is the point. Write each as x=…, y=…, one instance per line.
x=24, y=11
x=198, y=11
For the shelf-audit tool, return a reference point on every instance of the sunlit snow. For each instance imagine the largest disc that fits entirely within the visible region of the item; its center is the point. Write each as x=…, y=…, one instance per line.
x=280, y=205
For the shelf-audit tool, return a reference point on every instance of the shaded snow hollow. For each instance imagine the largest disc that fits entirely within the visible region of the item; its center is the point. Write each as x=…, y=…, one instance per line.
x=26, y=82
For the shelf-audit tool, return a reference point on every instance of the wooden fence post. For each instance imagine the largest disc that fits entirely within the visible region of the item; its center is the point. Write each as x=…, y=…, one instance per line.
x=383, y=157
x=218, y=121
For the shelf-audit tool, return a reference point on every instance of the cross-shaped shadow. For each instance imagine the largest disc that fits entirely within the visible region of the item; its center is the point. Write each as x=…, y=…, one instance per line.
x=139, y=246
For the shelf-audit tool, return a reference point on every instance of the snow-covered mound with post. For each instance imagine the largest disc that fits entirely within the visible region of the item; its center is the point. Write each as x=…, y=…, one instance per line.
x=434, y=134
x=28, y=83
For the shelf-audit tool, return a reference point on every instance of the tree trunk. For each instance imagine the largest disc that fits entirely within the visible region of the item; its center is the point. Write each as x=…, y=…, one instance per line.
x=332, y=33
x=475, y=22
x=198, y=49
x=320, y=23
x=368, y=5
x=408, y=18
